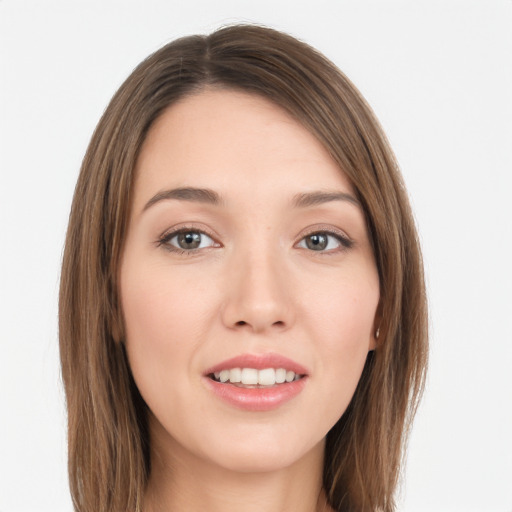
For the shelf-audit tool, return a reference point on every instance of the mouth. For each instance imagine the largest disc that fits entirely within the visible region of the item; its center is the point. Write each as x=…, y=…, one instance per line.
x=255, y=378
x=256, y=383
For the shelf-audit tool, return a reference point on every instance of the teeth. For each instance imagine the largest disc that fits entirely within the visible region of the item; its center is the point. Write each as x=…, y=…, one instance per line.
x=252, y=377
x=280, y=375
x=249, y=376
x=235, y=375
x=267, y=377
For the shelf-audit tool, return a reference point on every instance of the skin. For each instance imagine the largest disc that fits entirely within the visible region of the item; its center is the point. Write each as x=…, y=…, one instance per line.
x=252, y=287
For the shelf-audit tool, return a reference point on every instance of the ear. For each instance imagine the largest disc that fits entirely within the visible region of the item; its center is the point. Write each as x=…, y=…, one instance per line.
x=375, y=336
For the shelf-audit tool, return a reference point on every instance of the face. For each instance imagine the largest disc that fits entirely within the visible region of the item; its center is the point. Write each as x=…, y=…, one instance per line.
x=248, y=284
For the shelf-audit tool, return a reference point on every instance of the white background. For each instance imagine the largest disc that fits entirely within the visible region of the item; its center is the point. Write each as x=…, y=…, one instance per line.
x=439, y=76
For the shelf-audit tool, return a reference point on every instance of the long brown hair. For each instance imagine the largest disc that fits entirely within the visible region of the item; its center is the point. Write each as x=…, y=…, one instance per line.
x=107, y=419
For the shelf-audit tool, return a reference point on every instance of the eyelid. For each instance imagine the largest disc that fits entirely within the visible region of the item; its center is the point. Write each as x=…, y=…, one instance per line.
x=170, y=233
x=162, y=241
x=345, y=241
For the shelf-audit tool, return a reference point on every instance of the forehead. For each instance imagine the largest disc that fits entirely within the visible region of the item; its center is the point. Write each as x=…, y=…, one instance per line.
x=224, y=139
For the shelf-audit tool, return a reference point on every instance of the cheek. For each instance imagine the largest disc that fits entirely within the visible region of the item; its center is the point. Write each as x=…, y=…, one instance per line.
x=161, y=304
x=148, y=315
x=161, y=312
x=343, y=313
x=343, y=320
x=147, y=328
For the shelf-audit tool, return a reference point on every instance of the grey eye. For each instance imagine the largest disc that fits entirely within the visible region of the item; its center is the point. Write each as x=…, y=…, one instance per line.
x=190, y=240
x=320, y=242
x=317, y=242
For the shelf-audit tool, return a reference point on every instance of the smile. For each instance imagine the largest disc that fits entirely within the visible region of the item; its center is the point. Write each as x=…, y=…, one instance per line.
x=254, y=377
x=256, y=383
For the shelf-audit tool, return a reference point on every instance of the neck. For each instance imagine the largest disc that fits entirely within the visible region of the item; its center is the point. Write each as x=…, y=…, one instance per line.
x=181, y=482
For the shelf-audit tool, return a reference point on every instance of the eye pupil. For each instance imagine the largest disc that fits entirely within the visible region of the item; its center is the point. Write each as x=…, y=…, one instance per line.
x=316, y=242
x=189, y=240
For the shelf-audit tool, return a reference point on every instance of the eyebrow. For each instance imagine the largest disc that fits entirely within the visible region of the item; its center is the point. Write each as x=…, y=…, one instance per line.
x=208, y=196
x=308, y=199
x=198, y=195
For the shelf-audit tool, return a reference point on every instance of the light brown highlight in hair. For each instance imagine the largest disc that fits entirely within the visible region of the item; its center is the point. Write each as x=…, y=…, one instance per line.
x=108, y=442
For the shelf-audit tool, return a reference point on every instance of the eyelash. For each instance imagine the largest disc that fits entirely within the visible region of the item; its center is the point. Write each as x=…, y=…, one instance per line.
x=344, y=241
x=164, y=241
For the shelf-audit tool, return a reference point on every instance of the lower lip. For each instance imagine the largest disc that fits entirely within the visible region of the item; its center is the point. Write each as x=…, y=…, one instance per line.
x=257, y=399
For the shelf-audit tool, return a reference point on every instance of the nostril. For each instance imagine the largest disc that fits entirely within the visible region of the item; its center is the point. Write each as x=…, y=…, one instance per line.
x=279, y=323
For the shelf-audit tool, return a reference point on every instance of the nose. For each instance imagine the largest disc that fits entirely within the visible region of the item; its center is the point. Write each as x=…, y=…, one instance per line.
x=258, y=294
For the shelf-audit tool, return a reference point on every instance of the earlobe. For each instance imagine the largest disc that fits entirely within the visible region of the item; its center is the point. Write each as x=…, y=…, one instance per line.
x=374, y=339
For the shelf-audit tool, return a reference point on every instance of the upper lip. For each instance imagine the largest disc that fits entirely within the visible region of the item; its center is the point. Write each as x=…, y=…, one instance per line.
x=258, y=362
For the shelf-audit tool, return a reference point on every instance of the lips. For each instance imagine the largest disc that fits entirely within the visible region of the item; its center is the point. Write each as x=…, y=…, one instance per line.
x=256, y=382
x=259, y=362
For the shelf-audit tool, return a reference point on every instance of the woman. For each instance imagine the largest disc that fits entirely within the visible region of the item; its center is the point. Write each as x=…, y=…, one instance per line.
x=242, y=312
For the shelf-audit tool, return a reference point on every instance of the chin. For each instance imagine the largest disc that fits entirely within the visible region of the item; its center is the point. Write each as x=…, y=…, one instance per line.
x=256, y=462
x=264, y=455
